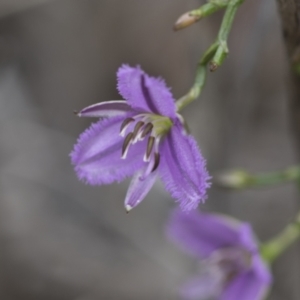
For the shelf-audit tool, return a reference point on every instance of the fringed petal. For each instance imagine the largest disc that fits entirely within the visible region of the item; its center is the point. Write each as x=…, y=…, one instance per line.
x=145, y=93
x=183, y=169
x=97, y=154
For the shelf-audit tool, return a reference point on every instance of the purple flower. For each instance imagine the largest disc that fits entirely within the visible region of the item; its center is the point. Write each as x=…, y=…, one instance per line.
x=230, y=264
x=143, y=136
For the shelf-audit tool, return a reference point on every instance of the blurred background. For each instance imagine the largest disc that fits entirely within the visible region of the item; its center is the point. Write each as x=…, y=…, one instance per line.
x=61, y=239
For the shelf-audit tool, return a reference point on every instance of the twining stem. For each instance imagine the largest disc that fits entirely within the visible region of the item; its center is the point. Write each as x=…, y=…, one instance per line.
x=279, y=244
x=200, y=78
x=214, y=55
x=240, y=179
x=225, y=28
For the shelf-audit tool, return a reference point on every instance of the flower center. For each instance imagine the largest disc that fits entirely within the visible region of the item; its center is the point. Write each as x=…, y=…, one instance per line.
x=150, y=126
x=230, y=262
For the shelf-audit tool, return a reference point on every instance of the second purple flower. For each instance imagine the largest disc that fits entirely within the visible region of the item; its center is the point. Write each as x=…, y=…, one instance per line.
x=231, y=265
x=143, y=136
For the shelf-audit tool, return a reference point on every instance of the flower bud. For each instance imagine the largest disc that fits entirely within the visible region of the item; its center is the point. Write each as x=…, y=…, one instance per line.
x=233, y=179
x=186, y=20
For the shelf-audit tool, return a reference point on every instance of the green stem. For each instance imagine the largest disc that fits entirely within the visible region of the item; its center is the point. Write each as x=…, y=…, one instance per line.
x=216, y=53
x=225, y=28
x=208, y=8
x=276, y=246
x=200, y=79
x=240, y=179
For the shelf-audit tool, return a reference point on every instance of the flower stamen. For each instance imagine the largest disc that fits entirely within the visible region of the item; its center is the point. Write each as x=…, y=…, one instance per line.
x=125, y=125
x=156, y=161
x=126, y=144
x=148, y=128
x=145, y=124
x=137, y=130
x=150, y=144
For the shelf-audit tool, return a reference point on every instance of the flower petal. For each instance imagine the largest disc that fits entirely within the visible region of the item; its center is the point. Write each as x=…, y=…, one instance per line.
x=183, y=168
x=201, y=234
x=145, y=93
x=247, y=239
x=105, y=109
x=97, y=154
x=251, y=285
x=139, y=188
x=204, y=286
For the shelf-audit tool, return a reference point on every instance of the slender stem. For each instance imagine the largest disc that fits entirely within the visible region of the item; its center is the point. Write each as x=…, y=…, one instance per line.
x=216, y=53
x=200, y=79
x=225, y=28
x=280, y=243
x=196, y=89
x=209, y=8
x=276, y=246
x=240, y=179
